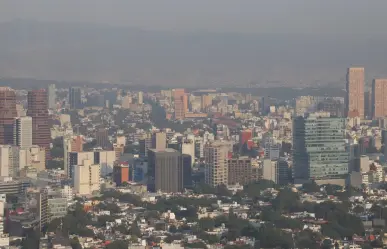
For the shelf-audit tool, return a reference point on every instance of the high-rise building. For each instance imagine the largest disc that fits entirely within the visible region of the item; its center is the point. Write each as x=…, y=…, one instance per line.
x=75, y=98
x=319, y=148
x=7, y=114
x=9, y=160
x=216, y=163
x=368, y=103
x=145, y=144
x=71, y=144
x=126, y=101
x=37, y=203
x=140, y=98
x=334, y=106
x=379, y=98
x=188, y=148
x=239, y=170
x=206, y=101
x=355, y=92
x=102, y=138
x=305, y=104
x=159, y=140
x=104, y=158
x=121, y=173
x=22, y=132
x=269, y=170
x=52, y=96
x=187, y=171
x=165, y=170
x=87, y=177
x=181, y=103
x=32, y=157
x=38, y=111
x=245, y=136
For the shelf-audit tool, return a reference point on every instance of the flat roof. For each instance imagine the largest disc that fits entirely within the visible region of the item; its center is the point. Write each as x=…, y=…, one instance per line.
x=164, y=150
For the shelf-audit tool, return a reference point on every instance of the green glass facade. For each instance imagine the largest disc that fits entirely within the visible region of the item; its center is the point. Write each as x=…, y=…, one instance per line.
x=319, y=148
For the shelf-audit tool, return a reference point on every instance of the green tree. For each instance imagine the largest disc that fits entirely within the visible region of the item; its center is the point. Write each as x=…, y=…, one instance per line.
x=74, y=242
x=135, y=230
x=208, y=238
x=172, y=229
x=286, y=200
x=254, y=189
x=113, y=208
x=222, y=190
x=358, y=209
x=32, y=240
x=207, y=224
x=118, y=244
x=103, y=219
x=196, y=245
x=310, y=187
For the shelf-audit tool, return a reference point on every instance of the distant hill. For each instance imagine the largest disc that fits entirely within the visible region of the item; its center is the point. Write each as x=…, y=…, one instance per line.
x=83, y=52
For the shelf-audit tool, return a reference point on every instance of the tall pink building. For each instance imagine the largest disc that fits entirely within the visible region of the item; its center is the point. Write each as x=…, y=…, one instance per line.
x=355, y=92
x=379, y=98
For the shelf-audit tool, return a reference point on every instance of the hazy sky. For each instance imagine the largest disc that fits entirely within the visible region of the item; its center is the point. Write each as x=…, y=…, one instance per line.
x=247, y=16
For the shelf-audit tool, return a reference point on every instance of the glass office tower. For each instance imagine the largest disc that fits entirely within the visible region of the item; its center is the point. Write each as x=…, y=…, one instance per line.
x=319, y=147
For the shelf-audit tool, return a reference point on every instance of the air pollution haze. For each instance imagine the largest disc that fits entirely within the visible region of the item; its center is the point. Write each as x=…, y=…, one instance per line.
x=192, y=43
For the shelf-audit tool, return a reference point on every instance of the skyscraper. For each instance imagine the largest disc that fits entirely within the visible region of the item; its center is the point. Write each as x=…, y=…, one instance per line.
x=51, y=96
x=7, y=114
x=181, y=105
x=355, y=92
x=319, y=148
x=140, y=99
x=187, y=170
x=165, y=170
x=216, y=163
x=102, y=138
x=75, y=98
x=379, y=98
x=22, y=132
x=38, y=111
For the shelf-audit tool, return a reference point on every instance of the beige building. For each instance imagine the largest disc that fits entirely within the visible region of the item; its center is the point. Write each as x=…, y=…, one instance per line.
x=34, y=157
x=379, y=98
x=355, y=92
x=22, y=132
x=86, y=178
x=104, y=158
x=269, y=170
x=188, y=148
x=305, y=104
x=159, y=140
x=126, y=102
x=216, y=162
x=121, y=140
x=9, y=160
x=140, y=98
x=64, y=119
x=21, y=112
